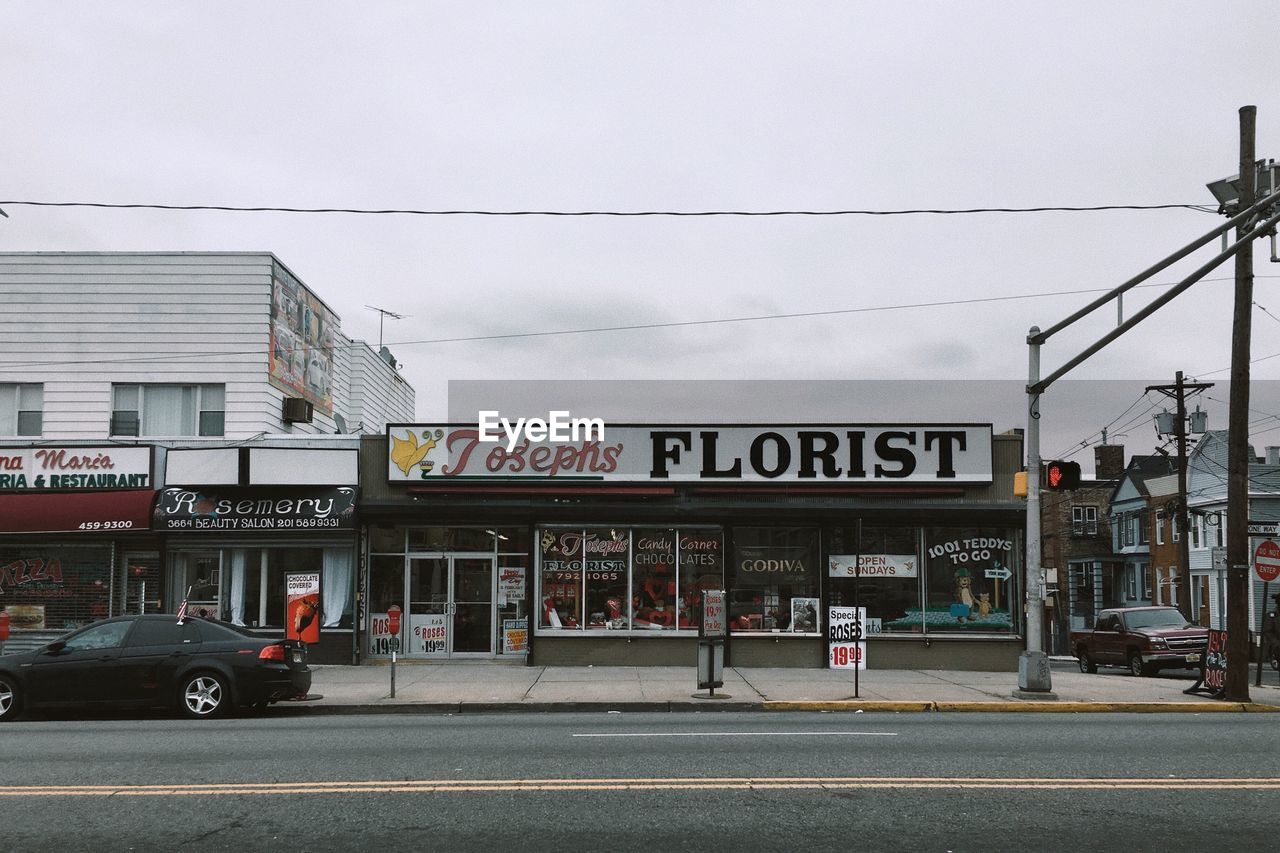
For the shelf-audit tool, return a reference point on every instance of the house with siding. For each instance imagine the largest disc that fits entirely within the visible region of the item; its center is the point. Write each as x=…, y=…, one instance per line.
x=1207, y=501
x=180, y=426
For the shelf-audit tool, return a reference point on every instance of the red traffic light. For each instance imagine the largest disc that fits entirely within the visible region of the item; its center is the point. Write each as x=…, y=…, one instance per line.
x=1061, y=476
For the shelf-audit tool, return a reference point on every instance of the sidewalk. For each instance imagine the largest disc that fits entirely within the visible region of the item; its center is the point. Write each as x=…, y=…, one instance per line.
x=461, y=687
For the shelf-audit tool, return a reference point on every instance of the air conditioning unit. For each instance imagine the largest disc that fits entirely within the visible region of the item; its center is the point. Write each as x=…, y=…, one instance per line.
x=297, y=411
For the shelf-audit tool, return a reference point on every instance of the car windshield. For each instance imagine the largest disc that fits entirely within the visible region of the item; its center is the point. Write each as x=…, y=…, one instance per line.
x=1163, y=618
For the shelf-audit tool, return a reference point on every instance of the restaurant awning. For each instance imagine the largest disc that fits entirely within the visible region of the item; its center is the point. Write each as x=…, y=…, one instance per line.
x=76, y=512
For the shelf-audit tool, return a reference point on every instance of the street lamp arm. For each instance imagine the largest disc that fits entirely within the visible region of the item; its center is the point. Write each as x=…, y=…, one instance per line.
x=1156, y=304
x=1239, y=218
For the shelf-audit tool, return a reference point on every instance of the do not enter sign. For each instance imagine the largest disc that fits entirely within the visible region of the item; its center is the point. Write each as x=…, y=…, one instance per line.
x=1266, y=560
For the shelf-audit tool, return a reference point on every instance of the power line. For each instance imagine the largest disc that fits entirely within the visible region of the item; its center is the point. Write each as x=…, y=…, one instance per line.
x=691, y=213
x=630, y=327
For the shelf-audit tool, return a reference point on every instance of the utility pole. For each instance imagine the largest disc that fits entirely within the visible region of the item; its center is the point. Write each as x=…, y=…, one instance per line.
x=1237, y=679
x=1178, y=391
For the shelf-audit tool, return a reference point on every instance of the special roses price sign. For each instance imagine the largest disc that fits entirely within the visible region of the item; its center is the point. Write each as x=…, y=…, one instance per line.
x=845, y=632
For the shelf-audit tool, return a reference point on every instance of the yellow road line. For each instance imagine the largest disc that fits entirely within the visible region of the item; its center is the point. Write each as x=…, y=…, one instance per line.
x=672, y=784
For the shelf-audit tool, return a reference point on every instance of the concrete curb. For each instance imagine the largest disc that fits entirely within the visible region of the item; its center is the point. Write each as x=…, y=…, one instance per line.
x=846, y=705
x=1046, y=707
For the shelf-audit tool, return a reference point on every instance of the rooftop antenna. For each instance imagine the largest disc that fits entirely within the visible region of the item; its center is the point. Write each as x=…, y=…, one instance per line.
x=383, y=314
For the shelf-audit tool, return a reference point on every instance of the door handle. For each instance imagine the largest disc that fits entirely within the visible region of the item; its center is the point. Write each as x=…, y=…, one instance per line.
x=106, y=658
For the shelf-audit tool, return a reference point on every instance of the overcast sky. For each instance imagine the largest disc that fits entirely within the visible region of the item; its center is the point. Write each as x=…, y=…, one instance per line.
x=666, y=106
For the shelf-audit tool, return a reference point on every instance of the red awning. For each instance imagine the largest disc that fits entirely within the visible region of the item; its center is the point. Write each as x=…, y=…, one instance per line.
x=76, y=512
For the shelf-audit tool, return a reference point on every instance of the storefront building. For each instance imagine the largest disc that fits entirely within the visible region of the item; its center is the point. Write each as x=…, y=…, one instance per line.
x=598, y=550
x=243, y=526
x=76, y=543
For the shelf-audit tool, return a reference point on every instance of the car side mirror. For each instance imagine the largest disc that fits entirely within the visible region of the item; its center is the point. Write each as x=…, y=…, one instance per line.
x=55, y=647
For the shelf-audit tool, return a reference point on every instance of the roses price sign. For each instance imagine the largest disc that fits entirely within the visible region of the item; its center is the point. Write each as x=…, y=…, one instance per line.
x=845, y=632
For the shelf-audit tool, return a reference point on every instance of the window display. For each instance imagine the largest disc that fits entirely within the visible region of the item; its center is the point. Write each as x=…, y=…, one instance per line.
x=647, y=579
x=972, y=579
x=772, y=566
x=880, y=572
x=654, y=601
x=561, y=602
x=700, y=566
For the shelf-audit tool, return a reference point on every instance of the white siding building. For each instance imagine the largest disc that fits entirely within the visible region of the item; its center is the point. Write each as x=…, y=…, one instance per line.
x=181, y=344
x=178, y=427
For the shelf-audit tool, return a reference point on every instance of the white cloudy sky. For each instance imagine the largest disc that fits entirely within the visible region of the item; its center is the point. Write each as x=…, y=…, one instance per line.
x=668, y=106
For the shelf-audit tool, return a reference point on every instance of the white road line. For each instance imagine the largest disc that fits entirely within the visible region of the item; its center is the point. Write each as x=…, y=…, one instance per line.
x=739, y=734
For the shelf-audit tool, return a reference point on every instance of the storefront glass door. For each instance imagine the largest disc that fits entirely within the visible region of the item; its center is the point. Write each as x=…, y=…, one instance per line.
x=451, y=606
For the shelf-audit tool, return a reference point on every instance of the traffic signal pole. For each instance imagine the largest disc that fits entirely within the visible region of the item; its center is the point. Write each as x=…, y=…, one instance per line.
x=1034, y=679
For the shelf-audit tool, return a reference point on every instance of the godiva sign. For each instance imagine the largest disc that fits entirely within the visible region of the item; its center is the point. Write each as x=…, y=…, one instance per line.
x=72, y=467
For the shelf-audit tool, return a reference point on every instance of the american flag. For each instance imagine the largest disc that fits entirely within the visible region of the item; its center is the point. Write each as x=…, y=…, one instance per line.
x=182, y=611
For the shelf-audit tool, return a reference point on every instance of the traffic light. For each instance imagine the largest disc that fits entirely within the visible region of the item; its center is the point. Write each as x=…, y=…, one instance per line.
x=1061, y=476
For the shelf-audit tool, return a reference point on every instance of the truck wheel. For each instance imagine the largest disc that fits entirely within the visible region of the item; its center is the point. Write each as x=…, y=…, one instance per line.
x=1137, y=667
x=1086, y=662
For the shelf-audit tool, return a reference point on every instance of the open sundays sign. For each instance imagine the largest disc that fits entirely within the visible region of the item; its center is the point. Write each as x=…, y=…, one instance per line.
x=679, y=453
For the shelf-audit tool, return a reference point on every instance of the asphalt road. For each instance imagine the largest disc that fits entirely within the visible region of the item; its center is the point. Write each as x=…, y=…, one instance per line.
x=653, y=782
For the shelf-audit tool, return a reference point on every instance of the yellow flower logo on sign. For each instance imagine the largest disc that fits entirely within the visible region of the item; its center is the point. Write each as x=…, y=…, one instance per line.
x=407, y=452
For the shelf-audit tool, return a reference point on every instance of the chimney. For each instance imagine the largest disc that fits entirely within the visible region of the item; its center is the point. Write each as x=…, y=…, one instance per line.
x=1108, y=461
x=1273, y=455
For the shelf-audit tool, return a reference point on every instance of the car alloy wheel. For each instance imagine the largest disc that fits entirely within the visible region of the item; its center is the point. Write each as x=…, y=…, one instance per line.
x=1086, y=663
x=9, y=703
x=204, y=696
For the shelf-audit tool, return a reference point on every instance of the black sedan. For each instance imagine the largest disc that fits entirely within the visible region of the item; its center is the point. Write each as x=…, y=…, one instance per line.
x=203, y=668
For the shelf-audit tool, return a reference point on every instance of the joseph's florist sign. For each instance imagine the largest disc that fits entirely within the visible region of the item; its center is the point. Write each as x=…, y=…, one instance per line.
x=699, y=453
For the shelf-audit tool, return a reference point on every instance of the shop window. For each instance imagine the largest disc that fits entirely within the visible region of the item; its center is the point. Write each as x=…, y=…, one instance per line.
x=196, y=577
x=21, y=408
x=775, y=580
x=56, y=587
x=646, y=580
x=699, y=567
x=881, y=572
x=451, y=539
x=561, y=579
x=655, y=600
x=385, y=540
x=971, y=579
x=146, y=410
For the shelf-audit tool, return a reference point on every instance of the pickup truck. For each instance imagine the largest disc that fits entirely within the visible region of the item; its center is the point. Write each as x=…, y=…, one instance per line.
x=1142, y=639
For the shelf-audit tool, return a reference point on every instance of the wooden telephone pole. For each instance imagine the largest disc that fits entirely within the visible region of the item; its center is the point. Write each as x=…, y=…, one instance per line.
x=1178, y=391
x=1237, y=679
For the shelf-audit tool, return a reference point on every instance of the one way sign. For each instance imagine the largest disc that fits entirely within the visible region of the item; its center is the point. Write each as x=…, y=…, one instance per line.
x=999, y=573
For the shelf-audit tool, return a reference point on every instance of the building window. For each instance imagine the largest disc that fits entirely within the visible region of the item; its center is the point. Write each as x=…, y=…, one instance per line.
x=1084, y=520
x=140, y=410
x=624, y=579
x=21, y=408
x=1159, y=527
x=1216, y=520
x=1177, y=530
x=1131, y=581
x=1140, y=528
